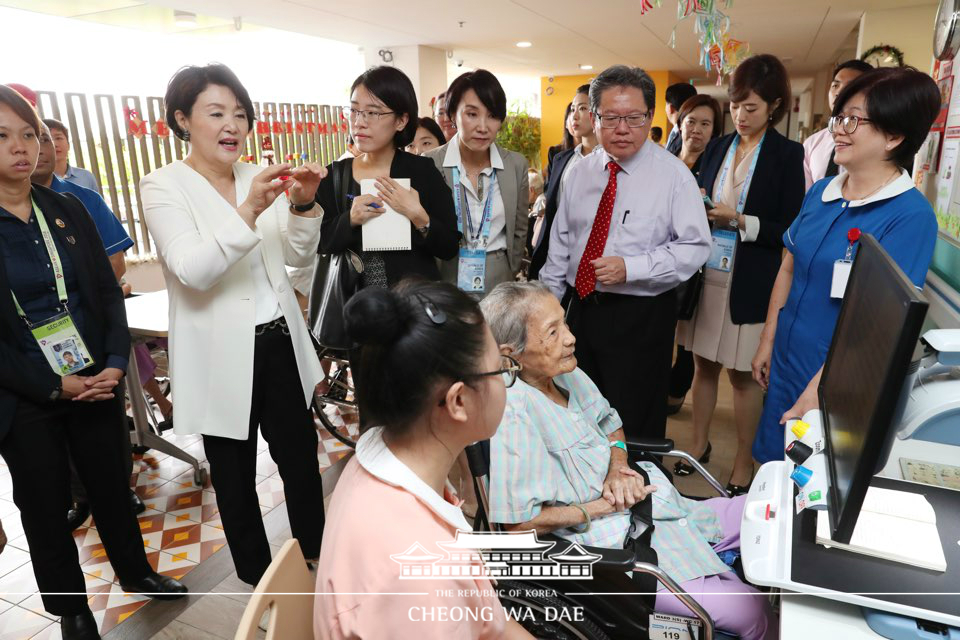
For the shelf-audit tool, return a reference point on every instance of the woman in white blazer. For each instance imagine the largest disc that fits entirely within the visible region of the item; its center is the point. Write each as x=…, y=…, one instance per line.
x=240, y=353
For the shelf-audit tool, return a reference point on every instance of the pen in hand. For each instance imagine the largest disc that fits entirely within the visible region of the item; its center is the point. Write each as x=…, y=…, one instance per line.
x=351, y=197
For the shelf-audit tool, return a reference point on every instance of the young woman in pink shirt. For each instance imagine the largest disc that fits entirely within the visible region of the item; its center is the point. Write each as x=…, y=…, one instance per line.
x=434, y=381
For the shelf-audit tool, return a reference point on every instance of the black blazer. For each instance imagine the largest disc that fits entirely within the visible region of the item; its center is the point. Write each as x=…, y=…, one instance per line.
x=775, y=197
x=105, y=326
x=442, y=240
x=552, y=193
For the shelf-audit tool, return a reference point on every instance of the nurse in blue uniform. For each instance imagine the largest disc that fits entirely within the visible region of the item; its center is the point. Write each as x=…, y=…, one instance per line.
x=879, y=122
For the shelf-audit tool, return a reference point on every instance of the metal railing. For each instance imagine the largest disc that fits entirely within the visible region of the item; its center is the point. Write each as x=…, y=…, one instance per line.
x=120, y=140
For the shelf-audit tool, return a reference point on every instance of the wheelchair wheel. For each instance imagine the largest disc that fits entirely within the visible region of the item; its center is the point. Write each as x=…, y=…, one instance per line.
x=334, y=402
x=518, y=596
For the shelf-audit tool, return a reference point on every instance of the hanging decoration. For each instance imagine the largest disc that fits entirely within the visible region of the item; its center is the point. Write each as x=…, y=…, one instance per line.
x=718, y=51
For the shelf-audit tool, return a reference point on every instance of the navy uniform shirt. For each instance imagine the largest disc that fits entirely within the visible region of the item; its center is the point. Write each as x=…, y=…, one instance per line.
x=114, y=236
x=31, y=278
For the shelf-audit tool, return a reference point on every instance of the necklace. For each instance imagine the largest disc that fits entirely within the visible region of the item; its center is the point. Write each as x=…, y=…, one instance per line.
x=896, y=174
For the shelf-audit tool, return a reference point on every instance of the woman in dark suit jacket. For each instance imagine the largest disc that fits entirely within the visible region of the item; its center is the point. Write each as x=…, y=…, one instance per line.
x=755, y=180
x=383, y=120
x=44, y=413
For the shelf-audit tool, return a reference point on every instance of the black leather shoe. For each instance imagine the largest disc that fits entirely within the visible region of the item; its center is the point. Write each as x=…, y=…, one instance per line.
x=77, y=515
x=156, y=586
x=137, y=503
x=684, y=469
x=79, y=627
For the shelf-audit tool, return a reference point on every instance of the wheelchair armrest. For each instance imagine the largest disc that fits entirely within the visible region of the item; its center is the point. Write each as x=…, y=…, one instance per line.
x=650, y=445
x=610, y=559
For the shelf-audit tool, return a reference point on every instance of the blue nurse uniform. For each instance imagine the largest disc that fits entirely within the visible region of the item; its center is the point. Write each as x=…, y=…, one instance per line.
x=899, y=217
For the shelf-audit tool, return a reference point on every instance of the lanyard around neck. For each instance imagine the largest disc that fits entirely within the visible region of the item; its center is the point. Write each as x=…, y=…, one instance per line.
x=54, y=261
x=728, y=163
x=473, y=235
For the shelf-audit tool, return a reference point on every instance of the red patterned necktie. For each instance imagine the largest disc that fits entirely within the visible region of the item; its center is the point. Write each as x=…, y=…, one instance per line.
x=586, y=275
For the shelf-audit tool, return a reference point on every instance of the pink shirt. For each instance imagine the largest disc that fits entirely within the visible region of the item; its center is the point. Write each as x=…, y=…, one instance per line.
x=380, y=509
x=817, y=150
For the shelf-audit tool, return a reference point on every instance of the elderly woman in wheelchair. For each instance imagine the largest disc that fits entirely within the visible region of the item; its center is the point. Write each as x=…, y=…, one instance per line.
x=558, y=464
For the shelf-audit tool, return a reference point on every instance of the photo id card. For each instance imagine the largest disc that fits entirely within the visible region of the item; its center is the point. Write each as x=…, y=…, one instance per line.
x=62, y=345
x=841, y=273
x=471, y=270
x=721, y=251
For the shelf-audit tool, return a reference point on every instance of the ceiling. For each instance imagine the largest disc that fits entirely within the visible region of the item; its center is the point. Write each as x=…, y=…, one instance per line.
x=806, y=34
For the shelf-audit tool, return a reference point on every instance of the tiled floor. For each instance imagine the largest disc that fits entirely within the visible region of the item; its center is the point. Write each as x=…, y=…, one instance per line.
x=181, y=530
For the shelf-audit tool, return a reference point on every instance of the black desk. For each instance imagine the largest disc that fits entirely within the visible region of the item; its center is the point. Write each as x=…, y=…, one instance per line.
x=839, y=570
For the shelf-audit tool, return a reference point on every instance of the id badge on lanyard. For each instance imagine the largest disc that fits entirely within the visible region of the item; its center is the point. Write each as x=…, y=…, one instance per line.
x=724, y=241
x=472, y=260
x=57, y=336
x=841, y=268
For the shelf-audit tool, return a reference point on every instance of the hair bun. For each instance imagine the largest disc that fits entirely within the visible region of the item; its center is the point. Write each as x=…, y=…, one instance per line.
x=375, y=316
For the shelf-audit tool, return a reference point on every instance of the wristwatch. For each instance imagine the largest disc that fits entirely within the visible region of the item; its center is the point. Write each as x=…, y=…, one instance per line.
x=303, y=208
x=734, y=222
x=57, y=392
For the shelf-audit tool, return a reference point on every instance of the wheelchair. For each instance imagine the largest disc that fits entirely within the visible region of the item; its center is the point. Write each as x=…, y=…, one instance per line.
x=334, y=399
x=608, y=612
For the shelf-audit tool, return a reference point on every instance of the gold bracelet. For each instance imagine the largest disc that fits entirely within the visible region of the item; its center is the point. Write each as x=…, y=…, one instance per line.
x=586, y=516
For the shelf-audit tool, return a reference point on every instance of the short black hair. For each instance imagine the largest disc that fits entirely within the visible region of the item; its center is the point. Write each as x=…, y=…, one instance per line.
x=584, y=88
x=620, y=75
x=766, y=76
x=393, y=88
x=413, y=338
x=431, y=125
x=55, y=125
x=703, y=100
x=189, y=82
x=487, y=88
x=678, y=93
x=855, y=64
x=656, y=133
x=20, y=106
x=900, y=101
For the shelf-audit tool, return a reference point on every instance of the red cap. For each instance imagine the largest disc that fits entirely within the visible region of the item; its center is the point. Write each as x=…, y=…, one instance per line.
x=25, y=91
x=853, y=235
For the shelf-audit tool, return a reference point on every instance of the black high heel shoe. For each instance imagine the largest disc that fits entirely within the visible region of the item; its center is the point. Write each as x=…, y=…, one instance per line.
x=684, y=469
x=738, y=490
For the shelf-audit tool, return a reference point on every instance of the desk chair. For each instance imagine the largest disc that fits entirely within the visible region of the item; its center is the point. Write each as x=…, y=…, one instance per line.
x=286, y=590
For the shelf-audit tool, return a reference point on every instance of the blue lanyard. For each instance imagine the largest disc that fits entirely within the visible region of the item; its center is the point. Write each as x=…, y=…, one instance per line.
x=473, y=236
x=728, y=162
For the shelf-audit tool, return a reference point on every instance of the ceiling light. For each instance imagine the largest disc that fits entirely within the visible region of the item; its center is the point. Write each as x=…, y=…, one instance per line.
x=524, y=44
x=184, y=18
x=586, y=67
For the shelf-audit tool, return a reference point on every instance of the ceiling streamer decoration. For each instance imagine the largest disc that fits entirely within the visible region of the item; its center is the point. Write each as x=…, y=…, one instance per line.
x=718, y=51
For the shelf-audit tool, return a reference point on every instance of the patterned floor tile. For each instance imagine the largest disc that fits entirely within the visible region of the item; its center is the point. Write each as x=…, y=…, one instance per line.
x=270, y=492
x=11, y=559
x=50, y=633
x=34, y=603
x=265, y=464
x=19, y=624
x=9, y=510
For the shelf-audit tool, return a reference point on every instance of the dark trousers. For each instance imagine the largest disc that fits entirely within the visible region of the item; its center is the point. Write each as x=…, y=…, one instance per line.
x=77, y=490
x=625, y=345
x=681, y=376
x=287, y=425
x=36, y=451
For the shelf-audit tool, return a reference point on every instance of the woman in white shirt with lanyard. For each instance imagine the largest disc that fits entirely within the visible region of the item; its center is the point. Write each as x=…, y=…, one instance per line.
x=754, y=180
x=242, y=360
x=489, y=183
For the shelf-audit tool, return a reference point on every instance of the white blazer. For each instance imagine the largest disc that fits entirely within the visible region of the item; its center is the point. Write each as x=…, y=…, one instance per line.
x=205, y=249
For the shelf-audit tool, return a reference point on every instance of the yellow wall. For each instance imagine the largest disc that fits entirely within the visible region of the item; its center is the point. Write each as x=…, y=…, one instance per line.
x=553, y=106
x=910, y=29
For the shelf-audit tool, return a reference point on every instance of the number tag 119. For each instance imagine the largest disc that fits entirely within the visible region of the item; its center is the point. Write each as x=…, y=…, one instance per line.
x=667, y=627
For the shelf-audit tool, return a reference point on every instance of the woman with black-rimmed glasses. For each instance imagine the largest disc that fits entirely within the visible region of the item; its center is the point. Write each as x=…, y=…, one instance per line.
x=879, y=121
x=383, y=120
x=435, y=383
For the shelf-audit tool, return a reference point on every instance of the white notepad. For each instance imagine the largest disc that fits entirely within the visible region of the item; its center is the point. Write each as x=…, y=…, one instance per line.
x=894, y=525
x=389, y=231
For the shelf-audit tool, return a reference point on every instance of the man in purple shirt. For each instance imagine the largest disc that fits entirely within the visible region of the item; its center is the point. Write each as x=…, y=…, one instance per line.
x=630, y=227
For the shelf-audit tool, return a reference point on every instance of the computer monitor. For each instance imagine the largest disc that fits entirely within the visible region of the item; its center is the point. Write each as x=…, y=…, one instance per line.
x=871, y=350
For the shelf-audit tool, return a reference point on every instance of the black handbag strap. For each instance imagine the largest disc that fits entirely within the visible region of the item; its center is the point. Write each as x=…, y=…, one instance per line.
x=341, y=183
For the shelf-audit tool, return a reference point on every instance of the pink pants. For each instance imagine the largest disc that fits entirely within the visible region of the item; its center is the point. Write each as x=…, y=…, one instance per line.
x=145, y=364
x=734, y=606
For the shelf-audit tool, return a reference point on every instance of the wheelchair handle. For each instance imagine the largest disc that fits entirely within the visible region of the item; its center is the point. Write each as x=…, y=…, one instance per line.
x=684, y=597
x=479, y=465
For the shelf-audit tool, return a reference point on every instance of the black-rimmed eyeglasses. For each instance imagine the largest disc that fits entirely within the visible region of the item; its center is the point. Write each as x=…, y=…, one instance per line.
x=847, y=124
x=509, y=369
x=634, y=120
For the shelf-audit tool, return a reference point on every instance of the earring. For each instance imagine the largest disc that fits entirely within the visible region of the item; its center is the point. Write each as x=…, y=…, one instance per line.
x=186, y=136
